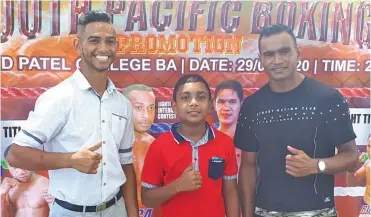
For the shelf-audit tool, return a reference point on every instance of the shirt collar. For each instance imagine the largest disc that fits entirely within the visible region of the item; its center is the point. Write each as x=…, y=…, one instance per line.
x=84, y=84
x=209, y=135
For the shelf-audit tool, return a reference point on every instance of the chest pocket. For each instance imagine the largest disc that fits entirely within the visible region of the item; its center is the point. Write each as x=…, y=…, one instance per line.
x=118, y=127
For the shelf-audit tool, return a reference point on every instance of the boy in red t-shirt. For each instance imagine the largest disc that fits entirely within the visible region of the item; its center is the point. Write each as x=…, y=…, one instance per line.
x=191, y=171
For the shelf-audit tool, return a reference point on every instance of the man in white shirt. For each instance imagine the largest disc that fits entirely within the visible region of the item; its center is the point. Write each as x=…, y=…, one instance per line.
x=85, y=125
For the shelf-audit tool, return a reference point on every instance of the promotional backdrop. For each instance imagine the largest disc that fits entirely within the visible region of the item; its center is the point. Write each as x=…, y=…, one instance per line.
x=161, y=40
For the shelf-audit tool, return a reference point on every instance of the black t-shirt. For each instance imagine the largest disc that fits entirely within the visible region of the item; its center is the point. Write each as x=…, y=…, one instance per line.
x=314, y=118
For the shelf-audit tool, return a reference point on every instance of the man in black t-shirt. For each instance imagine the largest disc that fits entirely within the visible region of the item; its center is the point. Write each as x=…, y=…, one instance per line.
x=290, y=129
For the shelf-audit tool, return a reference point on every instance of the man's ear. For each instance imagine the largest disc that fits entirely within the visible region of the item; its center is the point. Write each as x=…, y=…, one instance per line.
x=298, y=51
x=77, y=44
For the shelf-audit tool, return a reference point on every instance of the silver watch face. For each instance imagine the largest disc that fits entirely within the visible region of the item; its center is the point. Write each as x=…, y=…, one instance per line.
x=321, y=165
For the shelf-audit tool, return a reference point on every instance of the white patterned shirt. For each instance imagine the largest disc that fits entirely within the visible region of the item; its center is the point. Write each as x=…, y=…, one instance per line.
x=71, y=116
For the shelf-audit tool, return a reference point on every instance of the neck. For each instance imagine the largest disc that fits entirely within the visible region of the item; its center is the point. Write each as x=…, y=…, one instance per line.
x=193, y=132
x=97, y=80
x=228, y=129
x=286, y=84
x=138, y=135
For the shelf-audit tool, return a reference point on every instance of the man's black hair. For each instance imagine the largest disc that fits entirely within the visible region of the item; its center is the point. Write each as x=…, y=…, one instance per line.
x=91, y=17
x=190, y=78
x=274, y=30
x=230, y=84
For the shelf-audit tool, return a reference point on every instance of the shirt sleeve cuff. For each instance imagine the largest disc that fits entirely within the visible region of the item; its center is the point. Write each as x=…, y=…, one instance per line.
x=126, y=158
x=147, y=185
x=230, y=177
x=26, y=139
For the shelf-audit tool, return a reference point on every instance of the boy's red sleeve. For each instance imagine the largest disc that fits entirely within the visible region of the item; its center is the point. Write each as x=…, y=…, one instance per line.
x=152, y=173
x=230, y=171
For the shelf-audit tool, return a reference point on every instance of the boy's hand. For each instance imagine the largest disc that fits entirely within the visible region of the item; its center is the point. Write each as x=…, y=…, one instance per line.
x=190, y=180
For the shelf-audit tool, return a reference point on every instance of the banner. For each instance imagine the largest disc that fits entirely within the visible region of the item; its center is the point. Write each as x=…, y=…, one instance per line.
x=160, y=40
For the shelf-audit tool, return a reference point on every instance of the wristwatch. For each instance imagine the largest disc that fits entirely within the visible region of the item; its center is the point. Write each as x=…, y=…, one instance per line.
x=321, y=166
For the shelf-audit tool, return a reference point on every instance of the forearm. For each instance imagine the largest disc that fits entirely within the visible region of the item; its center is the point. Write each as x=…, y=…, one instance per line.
x=33, y=159
x=247, y=188
x=343, y=161
x=154, y=197
x=6, y=209
x=231, y=202
x=129, y=190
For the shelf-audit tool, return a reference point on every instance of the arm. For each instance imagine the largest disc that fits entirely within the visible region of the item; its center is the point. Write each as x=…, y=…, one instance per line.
x=231, y=202
x=154, y=192
x=361, y=172
x=129, y=190
x=85, y=160
x=33, y=159
x=6, y=207
x=345, y=160
x=229, y=188
x=338, y=128
x=46, y=121
x=245, y=139
x=247, y=183
x=153, y=197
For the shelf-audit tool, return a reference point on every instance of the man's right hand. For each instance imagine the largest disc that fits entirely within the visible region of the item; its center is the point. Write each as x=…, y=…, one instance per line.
x=7, y=184
x=190, y=180
x=86, y=160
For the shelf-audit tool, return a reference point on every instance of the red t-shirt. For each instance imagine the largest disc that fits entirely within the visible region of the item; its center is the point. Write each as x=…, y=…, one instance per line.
x=170, y=154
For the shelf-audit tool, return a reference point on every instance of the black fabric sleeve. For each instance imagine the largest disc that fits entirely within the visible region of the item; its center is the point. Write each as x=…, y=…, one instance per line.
x=338, y=125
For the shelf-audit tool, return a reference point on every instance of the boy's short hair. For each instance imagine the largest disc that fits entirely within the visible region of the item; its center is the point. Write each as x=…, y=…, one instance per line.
x=190, y=78
x=230, y=84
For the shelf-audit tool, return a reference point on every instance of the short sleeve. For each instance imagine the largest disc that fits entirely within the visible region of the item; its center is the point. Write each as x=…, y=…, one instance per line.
x=230, y=171
x=153, y=168
x=338, y=125
x=126, y=144
x=244, y=137
x=45, y=121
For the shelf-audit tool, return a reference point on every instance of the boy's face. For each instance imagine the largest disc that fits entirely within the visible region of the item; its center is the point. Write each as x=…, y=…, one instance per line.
x=192, y=103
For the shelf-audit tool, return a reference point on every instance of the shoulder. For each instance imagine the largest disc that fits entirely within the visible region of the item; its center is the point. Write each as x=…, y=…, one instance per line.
x=163, y=140
x=147, y=139
x=57, y=95
x=222, y=138
x=123, y=104
x=322, y=90
x=251, y=101
x=41, y=179
x=258, y=94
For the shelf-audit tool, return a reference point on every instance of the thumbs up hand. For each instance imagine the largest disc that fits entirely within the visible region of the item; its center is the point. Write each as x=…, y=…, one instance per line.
x=86, y=160
x=190, y=180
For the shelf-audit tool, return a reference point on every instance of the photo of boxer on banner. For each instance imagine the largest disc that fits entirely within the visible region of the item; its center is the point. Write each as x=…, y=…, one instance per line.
x=228, y=97
x=362, y=176
x=143, y=104
x=25, y=193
